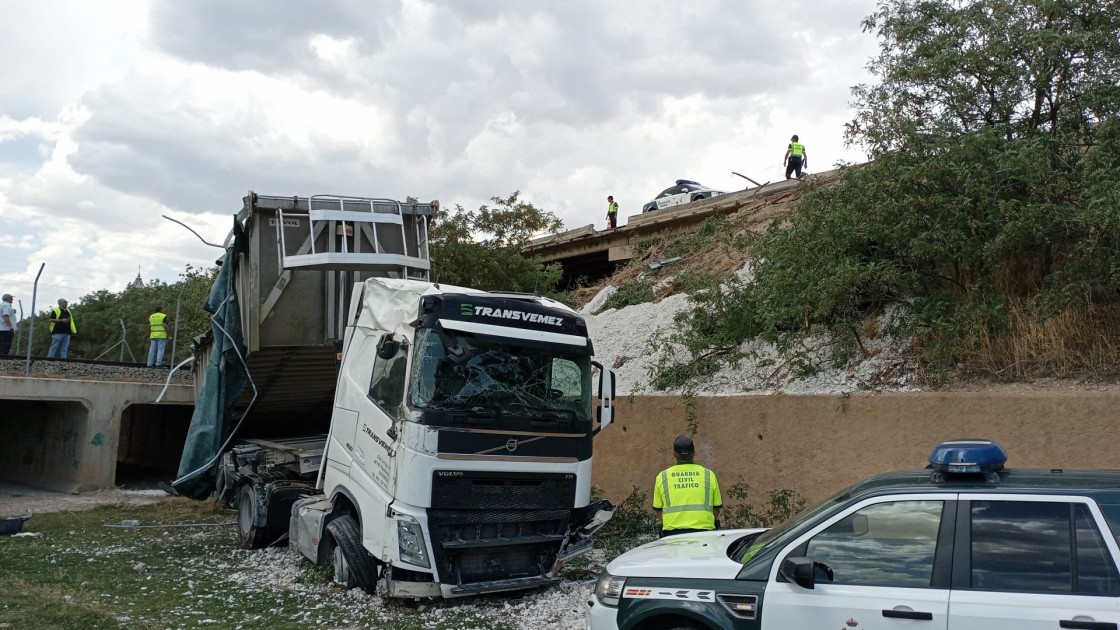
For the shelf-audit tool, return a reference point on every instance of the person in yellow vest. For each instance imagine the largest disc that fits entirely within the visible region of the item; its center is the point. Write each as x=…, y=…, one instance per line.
x=796, y=158
x=62, y=329
x=612, y=212
x=686, y=495
x=158, y=333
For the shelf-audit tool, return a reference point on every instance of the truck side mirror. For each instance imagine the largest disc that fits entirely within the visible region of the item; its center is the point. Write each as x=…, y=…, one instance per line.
x=387, y=347
x=606, y=396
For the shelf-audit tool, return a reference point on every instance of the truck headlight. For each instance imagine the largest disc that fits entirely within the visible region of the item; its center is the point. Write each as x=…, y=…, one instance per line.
x=410, y=540
x=609, y=588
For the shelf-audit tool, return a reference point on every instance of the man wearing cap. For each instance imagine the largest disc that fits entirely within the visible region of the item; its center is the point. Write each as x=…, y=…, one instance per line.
x=686, y=495
x=157, y=333
x=7, y=324
x=62, y=329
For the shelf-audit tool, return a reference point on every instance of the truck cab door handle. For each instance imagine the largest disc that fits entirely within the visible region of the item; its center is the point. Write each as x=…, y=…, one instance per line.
x=1086, y=625
x=908, y=614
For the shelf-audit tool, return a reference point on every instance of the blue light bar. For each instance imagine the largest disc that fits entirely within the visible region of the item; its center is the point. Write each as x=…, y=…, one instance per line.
x=682, y=182
x=968, y=456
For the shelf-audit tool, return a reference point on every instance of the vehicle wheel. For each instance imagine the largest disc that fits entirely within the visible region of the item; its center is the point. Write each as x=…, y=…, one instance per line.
x=221, y=488
x=352, y=564
x=253, y=536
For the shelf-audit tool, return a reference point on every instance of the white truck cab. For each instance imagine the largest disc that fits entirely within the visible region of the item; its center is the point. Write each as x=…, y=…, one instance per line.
x=458, y=459
x=965, y=544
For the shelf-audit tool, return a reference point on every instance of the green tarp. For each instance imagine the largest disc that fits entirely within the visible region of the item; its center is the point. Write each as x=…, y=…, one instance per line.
x=226, y=376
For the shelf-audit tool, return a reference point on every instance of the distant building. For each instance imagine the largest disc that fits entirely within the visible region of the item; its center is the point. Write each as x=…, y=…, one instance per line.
x=138, y=283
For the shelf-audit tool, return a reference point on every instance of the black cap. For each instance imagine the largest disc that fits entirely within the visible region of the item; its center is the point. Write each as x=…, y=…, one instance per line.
x=683, y=445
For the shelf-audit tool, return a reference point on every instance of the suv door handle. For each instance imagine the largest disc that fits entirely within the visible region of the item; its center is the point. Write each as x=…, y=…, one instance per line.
x=910, y=614
x=1086, y=625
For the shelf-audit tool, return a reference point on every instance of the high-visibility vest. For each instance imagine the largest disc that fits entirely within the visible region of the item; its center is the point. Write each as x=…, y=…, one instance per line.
x=58, y=313
x=796, y=148
x=686, y=494
x=155, y=323
x=612, y=207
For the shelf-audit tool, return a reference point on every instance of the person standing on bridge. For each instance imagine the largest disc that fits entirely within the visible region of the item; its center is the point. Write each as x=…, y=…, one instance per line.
x=62, y=329
x=796, y=158
x=7, y=324
x=612, y=212
x=158, y=334
x=686, y=495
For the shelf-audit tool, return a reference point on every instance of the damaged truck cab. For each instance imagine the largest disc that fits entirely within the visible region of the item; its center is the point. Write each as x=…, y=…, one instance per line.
x=458, y=459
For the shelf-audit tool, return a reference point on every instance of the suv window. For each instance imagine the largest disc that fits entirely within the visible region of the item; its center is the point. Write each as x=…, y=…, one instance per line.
x=886, y=544
x=1030, y=547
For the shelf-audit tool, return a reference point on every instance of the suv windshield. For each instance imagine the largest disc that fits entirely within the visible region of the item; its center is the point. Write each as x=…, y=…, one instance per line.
x=779, y=533
x=454, y=371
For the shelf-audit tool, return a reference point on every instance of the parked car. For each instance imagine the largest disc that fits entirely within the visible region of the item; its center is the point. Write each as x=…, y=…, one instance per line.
x=964, y=544
x=684, y=191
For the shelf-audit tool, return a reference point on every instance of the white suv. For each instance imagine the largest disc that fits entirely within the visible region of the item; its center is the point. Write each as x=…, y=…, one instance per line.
x=964, y=544
x=684, y=191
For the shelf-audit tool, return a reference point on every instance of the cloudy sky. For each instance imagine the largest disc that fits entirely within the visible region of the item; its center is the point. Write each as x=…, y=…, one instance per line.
x=113, y=114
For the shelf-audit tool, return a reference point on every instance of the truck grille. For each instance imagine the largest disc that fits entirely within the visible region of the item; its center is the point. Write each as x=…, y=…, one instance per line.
x=498, y=491
x=473, y=546
x=489, y=526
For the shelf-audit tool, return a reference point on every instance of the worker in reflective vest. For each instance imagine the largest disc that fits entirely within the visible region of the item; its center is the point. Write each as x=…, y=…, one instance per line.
x=157, y=332
x=686, y=495
x=796, y=158
x=612, y=212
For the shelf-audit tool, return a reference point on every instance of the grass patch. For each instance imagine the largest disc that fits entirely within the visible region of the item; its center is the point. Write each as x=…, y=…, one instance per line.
x=630, y=293
x=81, y=574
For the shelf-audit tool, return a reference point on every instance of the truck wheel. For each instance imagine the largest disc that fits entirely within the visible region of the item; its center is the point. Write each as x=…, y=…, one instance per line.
x=253, y=536
x=353, y=566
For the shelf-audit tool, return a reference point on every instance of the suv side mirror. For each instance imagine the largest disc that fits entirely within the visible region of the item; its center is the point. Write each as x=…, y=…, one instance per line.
x=804, y=571
x=387, y=347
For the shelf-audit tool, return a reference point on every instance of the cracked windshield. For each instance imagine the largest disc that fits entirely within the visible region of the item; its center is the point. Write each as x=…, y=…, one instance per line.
x=462, y=372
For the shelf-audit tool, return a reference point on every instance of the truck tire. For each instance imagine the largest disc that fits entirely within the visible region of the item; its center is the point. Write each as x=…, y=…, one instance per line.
x=253, y=536
x=352, y=564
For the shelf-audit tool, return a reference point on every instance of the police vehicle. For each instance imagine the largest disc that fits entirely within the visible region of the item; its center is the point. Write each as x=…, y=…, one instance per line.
x=684, y=191
x=965, y=544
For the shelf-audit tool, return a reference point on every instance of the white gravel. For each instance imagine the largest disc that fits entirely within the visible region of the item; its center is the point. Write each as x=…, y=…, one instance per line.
x=622, y=338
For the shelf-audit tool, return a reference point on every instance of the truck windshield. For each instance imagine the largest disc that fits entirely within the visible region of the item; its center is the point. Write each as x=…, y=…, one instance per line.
x=499, y=376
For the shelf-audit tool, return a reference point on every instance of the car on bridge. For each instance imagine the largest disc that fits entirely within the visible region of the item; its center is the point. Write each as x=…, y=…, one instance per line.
x=964, y=544
x=684, y=191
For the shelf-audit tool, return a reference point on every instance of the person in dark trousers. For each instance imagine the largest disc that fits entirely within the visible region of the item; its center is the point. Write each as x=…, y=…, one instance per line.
x=796, y=158
x=686, y=495
x=7, y=324
x=63, y=329
x=612, y=212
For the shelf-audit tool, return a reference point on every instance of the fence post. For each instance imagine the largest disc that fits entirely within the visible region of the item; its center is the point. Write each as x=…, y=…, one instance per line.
x=31, y=333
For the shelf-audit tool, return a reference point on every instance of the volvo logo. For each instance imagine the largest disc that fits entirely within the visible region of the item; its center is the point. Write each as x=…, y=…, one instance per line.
x=511, y=445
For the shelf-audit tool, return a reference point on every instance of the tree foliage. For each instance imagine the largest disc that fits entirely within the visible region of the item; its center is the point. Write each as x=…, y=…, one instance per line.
x=103, y=317
x=481, y=248
x=997, y=141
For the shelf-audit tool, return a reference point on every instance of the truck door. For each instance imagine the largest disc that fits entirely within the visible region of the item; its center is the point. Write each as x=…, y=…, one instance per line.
x=374, y=444
x=1032, y=563
x=890, y=559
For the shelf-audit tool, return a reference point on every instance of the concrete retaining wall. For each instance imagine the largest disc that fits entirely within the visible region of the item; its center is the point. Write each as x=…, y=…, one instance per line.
x=817, y=445
x=64, y=434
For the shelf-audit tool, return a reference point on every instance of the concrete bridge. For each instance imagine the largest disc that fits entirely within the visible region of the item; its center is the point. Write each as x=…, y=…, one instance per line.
x=75, y=435
x=585, y=251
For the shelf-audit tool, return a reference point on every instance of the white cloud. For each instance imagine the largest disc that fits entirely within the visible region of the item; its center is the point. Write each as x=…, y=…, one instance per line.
x=143, y=109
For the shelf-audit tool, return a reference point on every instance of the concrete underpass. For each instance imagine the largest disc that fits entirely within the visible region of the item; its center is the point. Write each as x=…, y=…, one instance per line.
x=77, y=435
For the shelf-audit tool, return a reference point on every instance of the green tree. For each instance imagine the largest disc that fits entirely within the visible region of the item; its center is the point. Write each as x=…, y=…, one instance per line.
x=481, y=248
x=994, y=127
